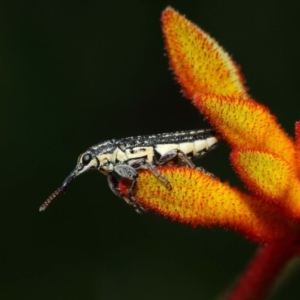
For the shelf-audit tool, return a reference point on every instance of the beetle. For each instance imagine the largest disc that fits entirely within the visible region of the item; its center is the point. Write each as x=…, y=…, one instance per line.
x=123, y=158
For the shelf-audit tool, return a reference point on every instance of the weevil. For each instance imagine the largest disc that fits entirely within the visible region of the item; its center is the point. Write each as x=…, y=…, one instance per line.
x=123, y=158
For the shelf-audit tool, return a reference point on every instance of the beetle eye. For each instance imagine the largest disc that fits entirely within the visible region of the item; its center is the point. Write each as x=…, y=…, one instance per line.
x=86, y=158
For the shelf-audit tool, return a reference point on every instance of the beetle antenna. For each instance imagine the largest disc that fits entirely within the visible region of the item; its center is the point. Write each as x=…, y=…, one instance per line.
x=50, y=198
x=58, y=191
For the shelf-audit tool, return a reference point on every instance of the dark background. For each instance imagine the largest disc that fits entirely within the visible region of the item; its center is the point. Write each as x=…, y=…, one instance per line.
x=74, y=73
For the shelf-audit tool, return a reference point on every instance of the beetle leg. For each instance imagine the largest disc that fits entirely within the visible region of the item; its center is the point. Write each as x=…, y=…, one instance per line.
x=185, y=160
x=176, y=153
x=128, y=172
x=143, y=162
x=113, y=183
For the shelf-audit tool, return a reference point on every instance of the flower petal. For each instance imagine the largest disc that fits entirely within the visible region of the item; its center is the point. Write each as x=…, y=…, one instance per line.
x=265, y=174
x=202, y=200
x=199, y=63
x=269, y=177
x=246, y=124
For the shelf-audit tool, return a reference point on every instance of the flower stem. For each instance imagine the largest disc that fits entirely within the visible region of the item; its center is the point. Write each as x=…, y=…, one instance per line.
x=262, y=272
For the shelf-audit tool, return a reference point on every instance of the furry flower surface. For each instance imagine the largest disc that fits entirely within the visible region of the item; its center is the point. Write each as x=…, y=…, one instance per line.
x=262, y=155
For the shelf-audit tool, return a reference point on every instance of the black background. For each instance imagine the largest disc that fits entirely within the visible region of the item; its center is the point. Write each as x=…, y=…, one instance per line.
x=74, y=73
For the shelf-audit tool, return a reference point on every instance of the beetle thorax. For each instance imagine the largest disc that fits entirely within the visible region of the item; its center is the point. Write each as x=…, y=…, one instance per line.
x=107, y=162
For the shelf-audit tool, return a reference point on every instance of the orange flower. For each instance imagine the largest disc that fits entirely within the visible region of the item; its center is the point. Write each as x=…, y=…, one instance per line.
x=263, y=156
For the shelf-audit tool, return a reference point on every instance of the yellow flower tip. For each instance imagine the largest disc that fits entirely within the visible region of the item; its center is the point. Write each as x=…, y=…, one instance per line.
x=199, y=199
x=265, y=174
x=270, y=178
x=200, y=65
x=246, y=124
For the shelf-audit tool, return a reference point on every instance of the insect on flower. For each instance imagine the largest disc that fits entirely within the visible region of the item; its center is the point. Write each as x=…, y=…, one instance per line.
x=118, y=159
